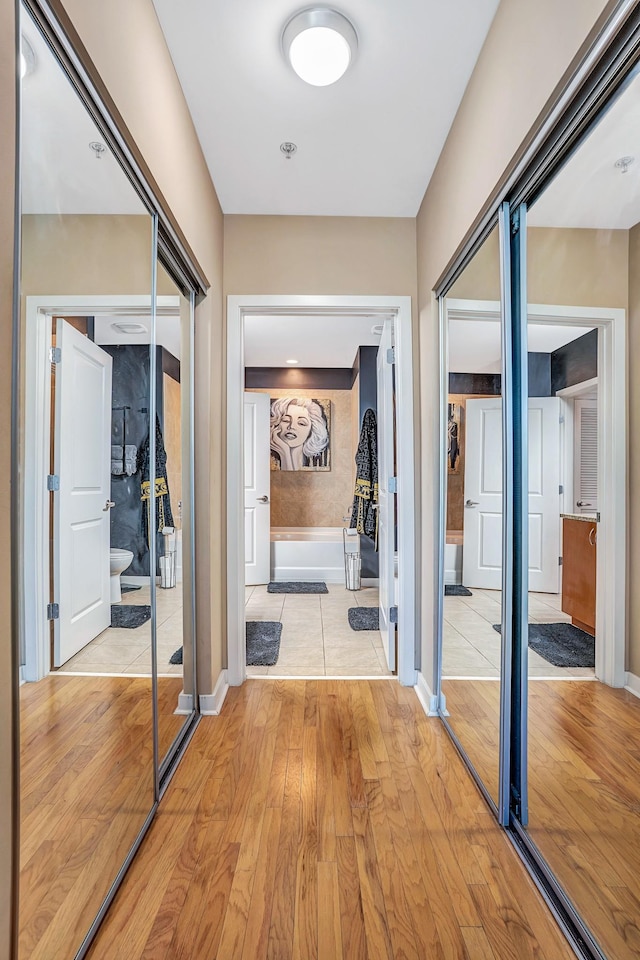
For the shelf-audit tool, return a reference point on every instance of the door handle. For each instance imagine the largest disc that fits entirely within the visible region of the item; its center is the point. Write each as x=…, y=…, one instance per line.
x=583, y=503
x=108, y=505
x=472, y=503
x=593, y=533
x=262, y=499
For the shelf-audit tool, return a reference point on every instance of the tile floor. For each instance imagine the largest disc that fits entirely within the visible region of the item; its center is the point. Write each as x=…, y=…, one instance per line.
x=471, y=647
x=317, y=640
x=117, y=650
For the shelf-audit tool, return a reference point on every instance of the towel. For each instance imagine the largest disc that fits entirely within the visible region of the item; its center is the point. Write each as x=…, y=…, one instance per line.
x=117, y=460
x=364, y=515
x=130, y=459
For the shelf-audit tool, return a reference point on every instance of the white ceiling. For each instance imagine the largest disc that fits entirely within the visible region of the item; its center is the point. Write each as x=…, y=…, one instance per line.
x=59, y=173
x=367, y=145
x=474, y=345
x=589, y=191
x=313, y=341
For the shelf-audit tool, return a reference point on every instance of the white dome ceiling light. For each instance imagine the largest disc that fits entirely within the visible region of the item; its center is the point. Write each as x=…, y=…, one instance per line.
x=320, y=44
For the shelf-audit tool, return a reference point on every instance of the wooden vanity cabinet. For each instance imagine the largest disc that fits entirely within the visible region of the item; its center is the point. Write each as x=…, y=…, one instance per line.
x=579, y=572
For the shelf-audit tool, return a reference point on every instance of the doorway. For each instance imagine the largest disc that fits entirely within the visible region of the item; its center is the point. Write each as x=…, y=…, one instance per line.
x=374, y=310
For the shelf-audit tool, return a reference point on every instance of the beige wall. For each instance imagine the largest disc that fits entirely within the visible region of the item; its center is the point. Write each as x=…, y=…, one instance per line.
x=173, y=441
x=7, y=667
x=305, y=498
x=506, y=93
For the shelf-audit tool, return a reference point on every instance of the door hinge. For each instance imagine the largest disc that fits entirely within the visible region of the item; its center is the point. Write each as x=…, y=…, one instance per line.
x=53, y=482
x=393, y=614
x=53, y=611
x=561, y=489
x=55, y=354
x=559, y=561
x=393, y=485
x=391, y=355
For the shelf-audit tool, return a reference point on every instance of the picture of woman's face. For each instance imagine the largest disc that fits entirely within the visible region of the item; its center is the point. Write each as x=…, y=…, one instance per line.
x=295, y=426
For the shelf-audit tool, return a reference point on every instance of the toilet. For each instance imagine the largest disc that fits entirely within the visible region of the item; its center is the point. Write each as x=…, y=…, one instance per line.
x=119, y=560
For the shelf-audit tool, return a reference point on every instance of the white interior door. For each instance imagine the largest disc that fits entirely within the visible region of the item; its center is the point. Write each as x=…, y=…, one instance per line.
x=82, y=452
x=257, y=487
x=482, y=547
x=386, y=498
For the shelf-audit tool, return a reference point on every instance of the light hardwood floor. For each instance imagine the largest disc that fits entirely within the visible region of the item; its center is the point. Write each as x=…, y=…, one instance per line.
x=326, y=819
x=584, y=791
x=86, y=788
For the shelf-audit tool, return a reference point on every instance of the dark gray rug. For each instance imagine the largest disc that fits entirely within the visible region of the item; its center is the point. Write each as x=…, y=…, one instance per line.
x=129, y=615
x=298, y=586
x=561, y=644
x=263, y=642
x=456, y=590
x=364, y=618
x=176, y=657
x=127, y=588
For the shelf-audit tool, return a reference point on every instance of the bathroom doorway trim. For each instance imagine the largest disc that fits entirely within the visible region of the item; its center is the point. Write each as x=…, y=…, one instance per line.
x=612, y=442
x=34, y=524
x=238, y=307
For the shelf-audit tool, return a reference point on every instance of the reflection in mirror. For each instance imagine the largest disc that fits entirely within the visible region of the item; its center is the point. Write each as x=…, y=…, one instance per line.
x=583, y=252
x=473, y=548
x=174, y=574
x=87, y=764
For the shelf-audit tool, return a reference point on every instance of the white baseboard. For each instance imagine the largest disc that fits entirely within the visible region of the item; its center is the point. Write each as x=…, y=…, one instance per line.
x=185, y=705
x=632, y=683
x=428, y=699
x=211, y=703
x=307, y=573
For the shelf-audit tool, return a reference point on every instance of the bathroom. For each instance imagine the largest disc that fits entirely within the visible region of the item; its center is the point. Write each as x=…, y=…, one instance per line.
x=329, y=366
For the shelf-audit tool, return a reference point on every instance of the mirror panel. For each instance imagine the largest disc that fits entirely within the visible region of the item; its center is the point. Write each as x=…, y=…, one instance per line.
x=583, y=267
x=471, y=646
x=87, y=748
x=174, y=571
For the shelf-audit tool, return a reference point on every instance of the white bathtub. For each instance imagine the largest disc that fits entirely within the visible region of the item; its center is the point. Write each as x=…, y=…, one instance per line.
x=453, y=563
x=307, y=553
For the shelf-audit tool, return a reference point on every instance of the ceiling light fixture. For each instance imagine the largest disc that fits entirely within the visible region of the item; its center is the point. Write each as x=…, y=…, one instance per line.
x=292, y=361
x=98, y=149
x=288, y=148
x=27, y=58
x=320, y=44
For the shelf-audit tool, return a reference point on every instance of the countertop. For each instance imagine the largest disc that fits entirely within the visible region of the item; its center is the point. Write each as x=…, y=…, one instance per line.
x=581, y=516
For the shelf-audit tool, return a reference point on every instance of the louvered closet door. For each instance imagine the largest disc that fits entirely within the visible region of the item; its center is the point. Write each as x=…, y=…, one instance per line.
x=586, y=456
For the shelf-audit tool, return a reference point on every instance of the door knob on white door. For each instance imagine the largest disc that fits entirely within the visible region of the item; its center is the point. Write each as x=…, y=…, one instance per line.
x=262, y=499
x=109, y=505
x=472, y=503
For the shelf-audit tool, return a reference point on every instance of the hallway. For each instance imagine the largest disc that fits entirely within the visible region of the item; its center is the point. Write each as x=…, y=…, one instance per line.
x=325, y=819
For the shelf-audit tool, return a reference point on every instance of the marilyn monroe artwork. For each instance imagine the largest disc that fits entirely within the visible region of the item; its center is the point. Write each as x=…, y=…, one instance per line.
x=300, y=434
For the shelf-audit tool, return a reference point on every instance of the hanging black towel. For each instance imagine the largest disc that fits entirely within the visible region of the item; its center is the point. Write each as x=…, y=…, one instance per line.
x=163, y=514
x=364, y=515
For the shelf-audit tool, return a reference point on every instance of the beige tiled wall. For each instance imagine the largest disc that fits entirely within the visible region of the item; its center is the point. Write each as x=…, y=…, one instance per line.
x=322, y=499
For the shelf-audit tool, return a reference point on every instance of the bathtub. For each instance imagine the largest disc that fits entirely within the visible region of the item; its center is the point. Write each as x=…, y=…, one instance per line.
x=453, y=557
x=307, y=553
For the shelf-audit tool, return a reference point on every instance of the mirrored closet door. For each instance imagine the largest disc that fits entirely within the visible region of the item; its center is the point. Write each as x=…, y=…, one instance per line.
x=105, y=477
x=473, y=414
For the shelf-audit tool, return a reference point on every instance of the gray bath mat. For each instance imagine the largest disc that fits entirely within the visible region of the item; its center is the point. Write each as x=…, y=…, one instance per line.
x=298, y=586
x=176, y=658
x=127, y=587
x=561, y=644
x=364, y=618
x=456, y=590
x=263, y=642
x=129, y=615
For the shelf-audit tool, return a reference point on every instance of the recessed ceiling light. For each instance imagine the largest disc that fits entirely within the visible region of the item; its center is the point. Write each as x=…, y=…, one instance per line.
x=288, y=148
x=129, y=327
x=98, y=149
x=292, y=361
x=319, y=43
